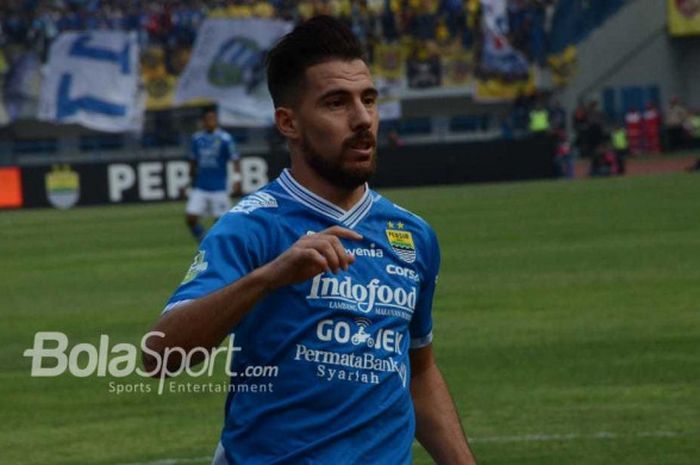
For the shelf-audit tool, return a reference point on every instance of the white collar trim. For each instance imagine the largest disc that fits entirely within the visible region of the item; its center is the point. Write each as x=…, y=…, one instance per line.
x=320, y=205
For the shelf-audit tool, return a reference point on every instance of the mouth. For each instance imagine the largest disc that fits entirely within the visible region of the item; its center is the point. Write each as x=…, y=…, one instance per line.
x=360, y=154
x=364, y=146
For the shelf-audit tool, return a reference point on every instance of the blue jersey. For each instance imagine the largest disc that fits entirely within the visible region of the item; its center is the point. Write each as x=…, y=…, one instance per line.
x=340, y=341
x=212, y=151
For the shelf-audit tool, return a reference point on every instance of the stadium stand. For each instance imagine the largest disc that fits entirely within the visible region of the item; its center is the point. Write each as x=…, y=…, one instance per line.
x=443, y=48
x=574, y=20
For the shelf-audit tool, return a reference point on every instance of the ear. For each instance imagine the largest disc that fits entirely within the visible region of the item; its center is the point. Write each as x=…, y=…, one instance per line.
x=286, y=123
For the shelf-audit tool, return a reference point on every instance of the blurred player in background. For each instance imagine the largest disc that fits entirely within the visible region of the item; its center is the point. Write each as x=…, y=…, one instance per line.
x=320, y=276
x=212, y=149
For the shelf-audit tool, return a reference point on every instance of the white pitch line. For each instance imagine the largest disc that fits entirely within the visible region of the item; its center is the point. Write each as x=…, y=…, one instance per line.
x=173, y=461
x=603, y=435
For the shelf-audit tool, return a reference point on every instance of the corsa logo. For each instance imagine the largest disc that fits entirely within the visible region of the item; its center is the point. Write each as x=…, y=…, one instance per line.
x=402, y=271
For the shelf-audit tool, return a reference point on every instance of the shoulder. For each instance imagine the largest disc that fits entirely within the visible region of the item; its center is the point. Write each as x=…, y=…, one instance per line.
x=252, y=221
x=408, y=232
x=224, y=135
x=259, y=203
x=263, y=206
x=407, y=218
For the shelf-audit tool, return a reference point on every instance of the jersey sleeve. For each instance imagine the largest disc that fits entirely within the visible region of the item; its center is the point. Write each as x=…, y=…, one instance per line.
x=230, y=149
x=238, y=244
x=192, y=155
x=421, y=328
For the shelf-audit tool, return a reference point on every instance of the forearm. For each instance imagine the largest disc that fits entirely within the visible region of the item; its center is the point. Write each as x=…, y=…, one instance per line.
x=238, y=185
x=193, y=172
x=206, y=321
x=438, y=427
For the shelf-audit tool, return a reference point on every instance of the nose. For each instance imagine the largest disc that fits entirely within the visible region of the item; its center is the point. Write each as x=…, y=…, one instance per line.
x=362, y=117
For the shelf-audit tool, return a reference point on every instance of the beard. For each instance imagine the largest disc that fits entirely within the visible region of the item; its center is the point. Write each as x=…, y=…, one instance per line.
x=333, y=169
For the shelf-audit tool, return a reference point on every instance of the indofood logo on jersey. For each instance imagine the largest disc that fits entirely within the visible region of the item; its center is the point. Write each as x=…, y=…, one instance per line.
x=346, y=294
x=401, y=241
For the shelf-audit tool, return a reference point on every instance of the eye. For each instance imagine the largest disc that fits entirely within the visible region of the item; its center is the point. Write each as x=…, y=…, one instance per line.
x=370, y=100
x=335, y=103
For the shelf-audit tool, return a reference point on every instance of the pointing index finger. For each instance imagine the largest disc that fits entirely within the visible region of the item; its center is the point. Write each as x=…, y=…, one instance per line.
x=344, y=233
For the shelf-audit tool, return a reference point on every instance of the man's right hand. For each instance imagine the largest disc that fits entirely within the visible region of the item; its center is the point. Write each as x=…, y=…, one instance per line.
x=204, y=322
x=309, y=256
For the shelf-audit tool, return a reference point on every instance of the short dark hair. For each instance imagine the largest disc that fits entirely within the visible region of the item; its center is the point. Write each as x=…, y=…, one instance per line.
x=206, y=110
x=320, y=39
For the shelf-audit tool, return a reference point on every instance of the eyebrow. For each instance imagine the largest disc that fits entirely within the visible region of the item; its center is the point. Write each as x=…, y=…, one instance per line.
x=337, y=92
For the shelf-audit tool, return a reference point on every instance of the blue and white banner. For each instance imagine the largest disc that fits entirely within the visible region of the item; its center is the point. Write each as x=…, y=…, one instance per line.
x=22, y=86
x=228, y=66
x=497, y=55
x=92, y=79
x=4, y=117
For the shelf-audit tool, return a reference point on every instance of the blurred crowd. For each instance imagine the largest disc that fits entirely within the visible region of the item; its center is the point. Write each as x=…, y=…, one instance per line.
x=172, y=24
x=35, y=23
x=644, y=130
x=606, y=142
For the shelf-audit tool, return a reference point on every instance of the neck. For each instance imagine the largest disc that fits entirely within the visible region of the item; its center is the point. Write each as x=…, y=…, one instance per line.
x=343, y=198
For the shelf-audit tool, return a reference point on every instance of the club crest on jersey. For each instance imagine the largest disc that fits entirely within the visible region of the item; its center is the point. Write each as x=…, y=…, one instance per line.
x=401, y=241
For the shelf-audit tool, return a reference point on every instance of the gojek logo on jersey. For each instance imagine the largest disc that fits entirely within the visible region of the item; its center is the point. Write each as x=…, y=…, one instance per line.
x=342, y=332
x=348, y=295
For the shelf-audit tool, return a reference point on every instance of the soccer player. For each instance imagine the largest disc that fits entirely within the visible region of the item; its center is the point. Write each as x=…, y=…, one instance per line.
x=212, y=148
x=320, y=276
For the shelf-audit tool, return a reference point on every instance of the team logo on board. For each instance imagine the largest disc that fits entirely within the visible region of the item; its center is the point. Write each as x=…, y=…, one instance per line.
x=62, y=187
x=238, y=62
x=401, y=241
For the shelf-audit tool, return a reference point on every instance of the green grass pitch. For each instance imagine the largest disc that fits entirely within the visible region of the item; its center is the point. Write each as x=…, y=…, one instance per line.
x=567, y=323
